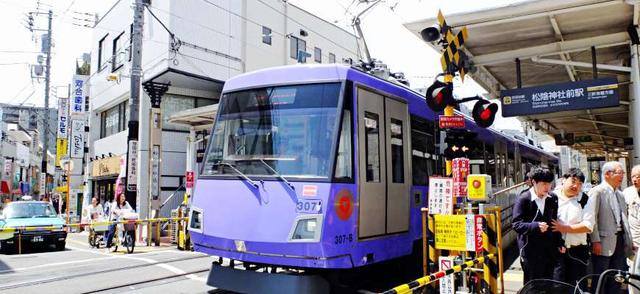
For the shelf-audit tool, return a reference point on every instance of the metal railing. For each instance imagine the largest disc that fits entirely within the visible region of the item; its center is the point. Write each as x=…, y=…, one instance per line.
x=172, y=202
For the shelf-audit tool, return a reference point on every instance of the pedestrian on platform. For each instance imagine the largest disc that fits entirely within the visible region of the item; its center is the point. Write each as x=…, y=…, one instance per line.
x=632, y=198
x=611, y=238
x=533, y=213
x=575, y=220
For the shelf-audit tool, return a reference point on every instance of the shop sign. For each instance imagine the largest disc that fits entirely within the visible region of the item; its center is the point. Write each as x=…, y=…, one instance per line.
x=106, y=167
x=76, y=149
x=63, y=118
x=78, y=94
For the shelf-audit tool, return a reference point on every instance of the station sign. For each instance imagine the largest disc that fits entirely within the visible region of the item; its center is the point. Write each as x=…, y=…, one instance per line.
x=451, y=122
x=587, y=94
x=479, y=187
x=132, y=166
x=440, y=195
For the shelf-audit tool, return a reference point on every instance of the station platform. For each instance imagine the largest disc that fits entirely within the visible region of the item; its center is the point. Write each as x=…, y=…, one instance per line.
x=513, y=275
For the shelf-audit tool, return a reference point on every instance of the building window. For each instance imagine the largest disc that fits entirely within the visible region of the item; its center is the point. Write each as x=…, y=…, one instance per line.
x=332, y=58
x=317, y=55
x=172, y=104
x=114, y=120
x=116, y=57
x=266, y=35
x=297, y=45
x=101, y=49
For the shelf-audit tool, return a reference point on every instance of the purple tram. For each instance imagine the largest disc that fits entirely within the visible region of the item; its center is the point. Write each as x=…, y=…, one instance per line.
x=315, y=172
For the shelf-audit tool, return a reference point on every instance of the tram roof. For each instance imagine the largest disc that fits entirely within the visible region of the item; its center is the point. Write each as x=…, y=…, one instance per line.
x=560, y=30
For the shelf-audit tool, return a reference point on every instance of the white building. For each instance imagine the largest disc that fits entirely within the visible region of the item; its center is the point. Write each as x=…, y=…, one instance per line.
x=212, y=41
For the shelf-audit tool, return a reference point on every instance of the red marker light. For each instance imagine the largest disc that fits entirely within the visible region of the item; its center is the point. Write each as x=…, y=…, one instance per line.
x=476, y=184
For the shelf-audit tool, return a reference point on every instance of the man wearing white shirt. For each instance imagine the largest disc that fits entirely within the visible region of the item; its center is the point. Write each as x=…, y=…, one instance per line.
x=575, y=220
x=632, y=198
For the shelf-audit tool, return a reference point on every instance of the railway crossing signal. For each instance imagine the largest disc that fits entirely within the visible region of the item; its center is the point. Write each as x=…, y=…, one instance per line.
x=459, y=144
x=484, y=113
x=439, y=95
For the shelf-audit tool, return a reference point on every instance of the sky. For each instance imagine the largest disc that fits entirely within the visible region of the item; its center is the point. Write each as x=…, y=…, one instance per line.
x=382, y=27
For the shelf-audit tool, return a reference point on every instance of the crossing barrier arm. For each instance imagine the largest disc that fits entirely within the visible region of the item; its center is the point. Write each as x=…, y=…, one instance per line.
x=408, y=287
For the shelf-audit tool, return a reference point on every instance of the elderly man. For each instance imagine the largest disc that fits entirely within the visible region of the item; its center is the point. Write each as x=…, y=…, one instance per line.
x=632, y=197
x=611, y=238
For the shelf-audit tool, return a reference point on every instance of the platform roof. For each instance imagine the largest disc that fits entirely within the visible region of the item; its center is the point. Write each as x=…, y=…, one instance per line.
x=553, y=41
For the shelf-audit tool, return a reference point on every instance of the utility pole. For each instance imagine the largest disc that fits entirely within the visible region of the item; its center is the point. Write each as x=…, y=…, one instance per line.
x=134, y=106
x=47, y=84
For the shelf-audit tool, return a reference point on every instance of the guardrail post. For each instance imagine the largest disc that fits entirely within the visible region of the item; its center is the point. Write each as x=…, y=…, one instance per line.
x=19, y=241
x=489, y=242
x=158, y=233
x=148, y=233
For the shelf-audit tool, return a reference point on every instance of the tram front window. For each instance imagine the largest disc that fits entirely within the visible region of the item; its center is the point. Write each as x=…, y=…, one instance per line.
x=291, y=129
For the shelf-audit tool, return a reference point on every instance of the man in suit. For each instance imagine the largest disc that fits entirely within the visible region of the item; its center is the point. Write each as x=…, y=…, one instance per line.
x=611, y=238
x=533, y=213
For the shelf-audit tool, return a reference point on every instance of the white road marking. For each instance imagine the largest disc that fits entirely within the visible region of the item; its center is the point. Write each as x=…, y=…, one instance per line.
x=56, y=264
x=165, y=266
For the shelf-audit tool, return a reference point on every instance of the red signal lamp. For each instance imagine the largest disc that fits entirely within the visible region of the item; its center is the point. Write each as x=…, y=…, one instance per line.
x=484, y=113
x=439, y=95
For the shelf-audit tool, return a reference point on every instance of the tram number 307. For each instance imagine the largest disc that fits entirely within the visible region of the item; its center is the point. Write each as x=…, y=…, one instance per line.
x=343, y=239
x=308, y=206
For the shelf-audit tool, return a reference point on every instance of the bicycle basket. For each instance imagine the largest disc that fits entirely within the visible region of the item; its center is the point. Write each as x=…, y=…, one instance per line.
x=546, y=287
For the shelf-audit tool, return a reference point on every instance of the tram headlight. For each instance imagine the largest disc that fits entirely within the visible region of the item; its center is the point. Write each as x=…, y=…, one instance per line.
x=195, y=219
x=306, y=228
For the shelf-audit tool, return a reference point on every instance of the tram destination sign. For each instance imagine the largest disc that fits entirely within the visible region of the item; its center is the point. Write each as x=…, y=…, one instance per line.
x=587, y=94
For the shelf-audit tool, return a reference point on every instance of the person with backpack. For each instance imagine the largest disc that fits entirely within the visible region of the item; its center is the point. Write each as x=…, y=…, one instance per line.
x=575, y=220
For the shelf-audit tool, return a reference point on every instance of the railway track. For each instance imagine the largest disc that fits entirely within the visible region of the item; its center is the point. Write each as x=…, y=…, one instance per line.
x=86, y=274
x=128, y=285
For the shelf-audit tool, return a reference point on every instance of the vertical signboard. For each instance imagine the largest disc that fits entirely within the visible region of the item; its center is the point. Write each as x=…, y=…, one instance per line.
x=61, y=150
x=447, y=283
x=132, y=168
x=63, y=118
x=440, y=195
x=43, y=183
x=460, y=170
x=76, y=148
x=78, y=94
x=155, y=172
x=190, y=179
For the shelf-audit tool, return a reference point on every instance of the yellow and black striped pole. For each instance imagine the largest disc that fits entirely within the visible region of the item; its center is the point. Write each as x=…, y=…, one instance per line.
x=428, y=280
x=489, y=242
x=434, y=254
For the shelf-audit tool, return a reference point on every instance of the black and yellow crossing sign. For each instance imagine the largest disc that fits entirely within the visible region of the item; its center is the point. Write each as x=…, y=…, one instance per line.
x=452, y=53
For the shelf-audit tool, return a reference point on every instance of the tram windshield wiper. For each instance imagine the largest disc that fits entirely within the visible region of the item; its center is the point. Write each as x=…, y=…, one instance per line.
x=277, y=174
x=253, y=183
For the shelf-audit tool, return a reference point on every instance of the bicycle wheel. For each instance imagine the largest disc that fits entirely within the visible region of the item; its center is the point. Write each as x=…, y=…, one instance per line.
x=129, y=242
x=92, y=239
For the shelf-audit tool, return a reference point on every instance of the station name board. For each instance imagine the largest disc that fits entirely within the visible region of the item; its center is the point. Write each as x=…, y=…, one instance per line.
x=587, y=94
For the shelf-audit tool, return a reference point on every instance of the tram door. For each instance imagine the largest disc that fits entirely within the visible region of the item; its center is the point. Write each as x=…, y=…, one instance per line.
x=383, y=165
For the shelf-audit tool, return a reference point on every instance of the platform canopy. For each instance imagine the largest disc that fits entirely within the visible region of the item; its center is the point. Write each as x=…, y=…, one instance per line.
x=553, y=41
x=200, y=118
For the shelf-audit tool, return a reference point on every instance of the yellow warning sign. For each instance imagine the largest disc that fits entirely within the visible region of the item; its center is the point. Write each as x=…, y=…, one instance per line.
x=451, y=232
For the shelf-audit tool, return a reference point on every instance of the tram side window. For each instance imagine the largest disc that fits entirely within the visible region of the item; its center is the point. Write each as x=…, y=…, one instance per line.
x=422, y=151
x=397, y=155
x=372, y=151
x=343, y=161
